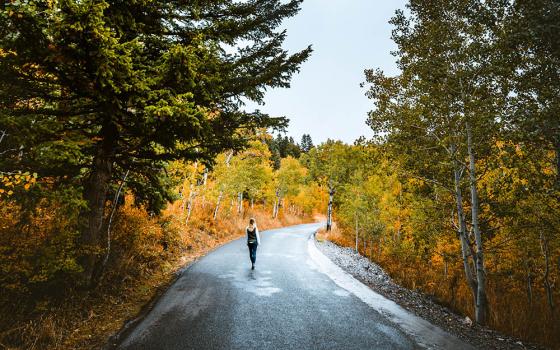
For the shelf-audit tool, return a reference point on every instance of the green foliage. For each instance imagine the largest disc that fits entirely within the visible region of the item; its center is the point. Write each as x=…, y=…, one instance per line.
x=96, y=89
x=290, y=177
x=249, y=171
x=306, y=143
x=530, y=51
x=282, y=147
x=332, y=163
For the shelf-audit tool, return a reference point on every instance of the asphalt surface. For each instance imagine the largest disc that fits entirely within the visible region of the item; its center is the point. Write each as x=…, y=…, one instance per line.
x=287, y=302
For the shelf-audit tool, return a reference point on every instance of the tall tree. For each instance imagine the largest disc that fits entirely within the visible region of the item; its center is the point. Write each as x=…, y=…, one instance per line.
x=445, y=108
x=530, y=47
x=306, y=143
x=331, y=164
x=93, y=89
x=288, y=180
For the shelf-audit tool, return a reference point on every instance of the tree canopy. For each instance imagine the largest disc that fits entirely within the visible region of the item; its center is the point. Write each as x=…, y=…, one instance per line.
x=93, y=89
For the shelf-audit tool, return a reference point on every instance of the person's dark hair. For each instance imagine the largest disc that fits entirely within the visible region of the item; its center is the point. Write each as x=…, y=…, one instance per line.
x=251, y=221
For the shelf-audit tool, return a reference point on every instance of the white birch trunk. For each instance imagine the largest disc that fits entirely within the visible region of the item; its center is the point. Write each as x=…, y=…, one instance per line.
x=220, y=196
x=276, y=208
x=546, y=276
x=190, y=205
x=481, y=299
x=218, y=205
x=115, y=201
x=330, y=208
x=240, y=203
x=462, y=226
x=357, y=230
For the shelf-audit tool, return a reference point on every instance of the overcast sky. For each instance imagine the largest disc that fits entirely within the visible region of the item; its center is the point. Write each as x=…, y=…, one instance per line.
x=325, y=99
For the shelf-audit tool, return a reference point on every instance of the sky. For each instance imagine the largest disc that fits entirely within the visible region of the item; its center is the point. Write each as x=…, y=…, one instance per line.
x=325, y=99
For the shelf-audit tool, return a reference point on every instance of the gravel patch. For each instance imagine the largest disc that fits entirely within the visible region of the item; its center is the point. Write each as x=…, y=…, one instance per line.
x=421, y=305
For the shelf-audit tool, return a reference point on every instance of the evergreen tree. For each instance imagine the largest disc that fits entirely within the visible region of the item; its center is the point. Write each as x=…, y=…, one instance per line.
x=292, y=148
x=283, y=147
x=306, y=143
x=93, y=89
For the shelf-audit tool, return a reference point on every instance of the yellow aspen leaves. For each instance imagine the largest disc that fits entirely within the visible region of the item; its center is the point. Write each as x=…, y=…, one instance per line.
x=9, y=182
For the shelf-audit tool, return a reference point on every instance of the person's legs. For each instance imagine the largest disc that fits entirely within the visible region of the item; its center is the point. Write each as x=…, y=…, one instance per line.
x=249, y=245
x=254, y=259
x=252, y=253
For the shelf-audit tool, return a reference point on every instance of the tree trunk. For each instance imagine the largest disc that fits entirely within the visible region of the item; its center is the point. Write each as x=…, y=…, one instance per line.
x=330, y=208
x=109, y=224
x=218, y=205
x=276, y=205
x=220, y=196
x=529, y=285
x=399, y=201
x=182, y=196
x=240, y=203
x=465, y=244
x=482, y=302
x=95, y=194
x=204, y=181
x=356, y=233
x=546, y=276
x=187, y=200
x=190, y=204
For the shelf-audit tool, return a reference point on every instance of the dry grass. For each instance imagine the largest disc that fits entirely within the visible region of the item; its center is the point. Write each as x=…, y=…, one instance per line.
x=336, y=235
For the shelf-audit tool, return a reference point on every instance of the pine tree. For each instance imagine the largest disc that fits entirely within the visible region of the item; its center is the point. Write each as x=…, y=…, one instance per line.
x=306, y=143
x=93, y=89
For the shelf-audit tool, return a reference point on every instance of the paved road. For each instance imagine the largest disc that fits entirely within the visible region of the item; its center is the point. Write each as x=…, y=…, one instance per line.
x=287, y=302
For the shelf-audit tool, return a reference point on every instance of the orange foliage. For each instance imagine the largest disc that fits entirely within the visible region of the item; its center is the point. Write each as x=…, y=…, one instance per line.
x=145, y=254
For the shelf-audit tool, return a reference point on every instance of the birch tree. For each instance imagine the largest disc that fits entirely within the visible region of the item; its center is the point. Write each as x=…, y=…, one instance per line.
x=447, y=99
x=331, y=165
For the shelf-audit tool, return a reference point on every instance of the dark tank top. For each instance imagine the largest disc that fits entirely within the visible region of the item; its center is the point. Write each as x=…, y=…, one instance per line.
x=252, y=236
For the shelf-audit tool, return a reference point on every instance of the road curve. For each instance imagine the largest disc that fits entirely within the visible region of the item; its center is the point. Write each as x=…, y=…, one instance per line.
x=292, y=300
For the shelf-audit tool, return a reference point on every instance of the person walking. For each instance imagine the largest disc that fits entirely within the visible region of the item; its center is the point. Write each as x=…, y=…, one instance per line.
x=253, y=240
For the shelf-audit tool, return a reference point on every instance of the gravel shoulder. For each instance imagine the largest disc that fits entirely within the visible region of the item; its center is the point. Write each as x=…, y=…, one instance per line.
x=377, y=279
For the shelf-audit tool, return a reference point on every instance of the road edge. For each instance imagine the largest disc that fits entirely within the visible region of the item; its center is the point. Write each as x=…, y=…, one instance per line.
x=116, y=339
x=425, y=333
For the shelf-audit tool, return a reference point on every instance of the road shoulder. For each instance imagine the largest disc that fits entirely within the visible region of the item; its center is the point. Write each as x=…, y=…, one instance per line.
x=414, y=302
